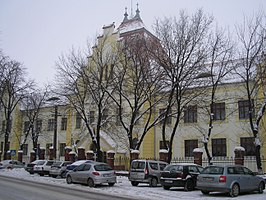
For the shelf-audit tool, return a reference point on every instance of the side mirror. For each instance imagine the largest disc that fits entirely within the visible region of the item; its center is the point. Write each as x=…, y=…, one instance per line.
x=75, y=169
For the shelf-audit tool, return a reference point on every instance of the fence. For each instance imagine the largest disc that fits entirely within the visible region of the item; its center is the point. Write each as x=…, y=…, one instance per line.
x=123, y=163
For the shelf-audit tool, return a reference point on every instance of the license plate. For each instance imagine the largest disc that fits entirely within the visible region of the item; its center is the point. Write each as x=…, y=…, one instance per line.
x=106, y=175
x=208, y=178
x=168, y=181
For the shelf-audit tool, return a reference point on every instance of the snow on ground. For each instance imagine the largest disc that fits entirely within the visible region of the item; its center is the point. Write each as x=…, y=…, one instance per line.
x=124, y=188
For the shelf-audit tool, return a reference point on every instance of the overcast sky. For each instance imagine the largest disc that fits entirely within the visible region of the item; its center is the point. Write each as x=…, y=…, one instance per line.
x=37, y=32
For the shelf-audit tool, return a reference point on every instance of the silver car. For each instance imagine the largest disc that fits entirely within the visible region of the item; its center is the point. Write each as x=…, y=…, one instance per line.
x=146, y=171
x=232, y=179
x=10, y=164
x=58, y=168
x=92, y=174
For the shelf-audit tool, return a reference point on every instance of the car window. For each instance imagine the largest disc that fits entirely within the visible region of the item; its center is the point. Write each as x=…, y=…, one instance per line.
x=231, y=170
x=56, y=164
x=65, y=164
x=87, y=167
x=174, y=168
x=162, y=166
x=239, y=170
x=154, y=166
x=200, y=169
x=80, y=167
x=41, y=162
x=213, y=170
x=102, y=167
x=49, y=163
x=247, y=171
x=193, y=169
x=138, y=165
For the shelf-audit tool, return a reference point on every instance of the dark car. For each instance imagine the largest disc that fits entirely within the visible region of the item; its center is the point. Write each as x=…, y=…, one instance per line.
x=231, y=179
x=180, y=175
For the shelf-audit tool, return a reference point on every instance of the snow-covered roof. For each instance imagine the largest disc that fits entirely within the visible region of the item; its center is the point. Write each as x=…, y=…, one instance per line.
x=131, y=25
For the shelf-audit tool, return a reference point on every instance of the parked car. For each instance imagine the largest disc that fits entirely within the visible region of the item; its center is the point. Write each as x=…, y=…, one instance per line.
x=29, y=166
x=92, y=174
x=73, y=166
x=146, y=171
x=232, y=179
x=180, y=175
x=43, y=167
x=58, y=168
x=10, y=164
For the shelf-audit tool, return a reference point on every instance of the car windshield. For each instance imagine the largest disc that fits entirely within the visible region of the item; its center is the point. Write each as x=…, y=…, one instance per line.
x=41, y=162
x=138, y=165
x=213, y=170
x=102, y=167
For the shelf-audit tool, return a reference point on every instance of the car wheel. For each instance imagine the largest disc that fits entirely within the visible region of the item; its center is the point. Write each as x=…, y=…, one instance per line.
x=111, y=184
x=68, y=179
x=134, y=183
x=41, y=174
x=153, y=182
x=166, y=187
x=90, y=182
x=189, y=185
x=261, y=188
x=205, y=192
x=234, y=192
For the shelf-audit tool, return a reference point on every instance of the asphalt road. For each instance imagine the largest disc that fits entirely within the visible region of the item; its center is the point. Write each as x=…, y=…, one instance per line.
x=14, y=189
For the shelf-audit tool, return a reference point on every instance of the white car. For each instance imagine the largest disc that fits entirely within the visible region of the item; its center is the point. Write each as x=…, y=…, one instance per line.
x=43, y=167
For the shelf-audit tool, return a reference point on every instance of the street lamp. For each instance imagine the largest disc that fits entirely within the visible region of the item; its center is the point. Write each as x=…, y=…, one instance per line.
x=55, y=125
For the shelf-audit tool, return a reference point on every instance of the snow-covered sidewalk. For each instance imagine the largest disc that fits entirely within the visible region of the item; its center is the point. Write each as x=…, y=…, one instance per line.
x=124, y=188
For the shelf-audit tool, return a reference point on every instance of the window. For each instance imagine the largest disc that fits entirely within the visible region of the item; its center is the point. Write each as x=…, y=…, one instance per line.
x=218, y=111
x=38, y=125
x=62, y=149
x=190, y=114
x=25, y=149
x=248, y=144
x=26, y=126
x=50, y=125
x=190, y=145
x=243, y=109
x=92, y=116
x=64, y=124
x=78, y=121
x=154, y=166
x=219, y=147
x=162, y=114
x=162, y=146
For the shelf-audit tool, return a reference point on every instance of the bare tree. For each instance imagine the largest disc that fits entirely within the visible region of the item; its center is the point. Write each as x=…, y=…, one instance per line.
x=31, y=107
x=85, y=82
x=181, y=54
x=251, y=37
x=13, y=89
x=219, y=67
x=137, y=82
